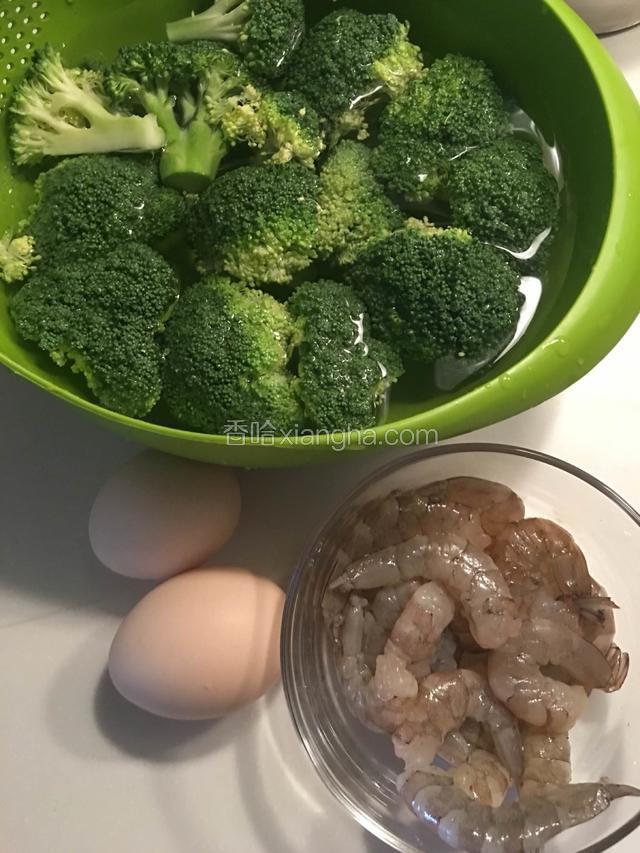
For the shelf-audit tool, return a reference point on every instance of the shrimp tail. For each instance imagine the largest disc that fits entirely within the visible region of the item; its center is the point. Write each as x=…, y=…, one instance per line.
x=619, y=663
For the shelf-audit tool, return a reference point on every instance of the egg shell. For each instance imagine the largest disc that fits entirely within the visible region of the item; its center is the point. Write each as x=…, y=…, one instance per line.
x=201, y=645
x=160, y=515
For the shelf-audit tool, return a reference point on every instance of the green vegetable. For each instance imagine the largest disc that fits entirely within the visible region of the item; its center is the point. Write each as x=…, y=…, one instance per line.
x=58, y=111
x=17, y=257
x=228, y=349
x=504, y=194
x=280, y=124
x=433, y=293
x=102, y=317
x=354, y=211
x=266, y=32
x=453, y=106
x=186, y=87
x=344, y=374
x=258, y=223
x=348, y=59
x=410, y=167
x=87, y=206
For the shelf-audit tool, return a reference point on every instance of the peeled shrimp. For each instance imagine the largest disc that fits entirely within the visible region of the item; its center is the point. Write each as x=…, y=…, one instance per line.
x=515, y=827
x=547, y=762
x=517, y=679
x=423, y=512
x=421, y=624
x=483, y=778
x=444, y=702
x=497, y=504
x=470, y=577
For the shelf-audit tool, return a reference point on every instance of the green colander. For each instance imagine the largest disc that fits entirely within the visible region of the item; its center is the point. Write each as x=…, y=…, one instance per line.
x=557, y=70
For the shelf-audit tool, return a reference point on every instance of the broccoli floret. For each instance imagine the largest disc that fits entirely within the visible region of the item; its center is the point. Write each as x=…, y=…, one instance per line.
x=504, y=194
x=58, y=111
x=343, y=373
x=432, y=293
x=258, y=223
x=89, y=205
x=455, y=103
x=280, y=124
x=348, y=60
x=266, y=32
x=353, y=209
x=18, y=257
x=228, y=349
x=410, y=167
x=187, y=88
x=102, y=317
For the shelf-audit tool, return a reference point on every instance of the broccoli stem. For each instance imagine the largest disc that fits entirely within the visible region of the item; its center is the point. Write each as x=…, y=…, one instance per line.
x=191, y=162
x=224, y=21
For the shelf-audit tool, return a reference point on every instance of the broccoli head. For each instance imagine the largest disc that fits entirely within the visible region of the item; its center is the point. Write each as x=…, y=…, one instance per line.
x=266, y=32
x=18, y=257
x=86, y=206
x=411, y=168
x=58, y=111
x=228, y=349
x=433, y=293
x=455, y=103
x=504, y=194
x=103, y=317
x=258, y=223
x=348, y=60
x=343, y=373
x=187, y=89
x=280, y=124
x=353, y=209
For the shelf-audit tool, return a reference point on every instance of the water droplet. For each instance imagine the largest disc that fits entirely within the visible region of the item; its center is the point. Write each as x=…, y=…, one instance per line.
x=582, y=362
x=505, y=382
x=559, y=346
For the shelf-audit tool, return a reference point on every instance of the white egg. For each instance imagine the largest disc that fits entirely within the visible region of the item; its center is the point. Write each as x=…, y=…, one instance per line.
x=160, y=515
x=201, y=645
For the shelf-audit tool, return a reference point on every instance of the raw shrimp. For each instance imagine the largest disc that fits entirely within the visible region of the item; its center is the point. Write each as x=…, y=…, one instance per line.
x=497, y=504
x=389, y=603
x=423, y=512
x=482, y=777
x=517, y=679
x=514, y=827
x=421, y=624
x=537, y=555
x=459, y=745
x=444, y=702
x=469, y=577
x=547, y=762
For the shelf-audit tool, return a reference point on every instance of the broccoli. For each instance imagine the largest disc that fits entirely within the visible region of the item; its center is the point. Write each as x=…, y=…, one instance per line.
x=504, y=194
x=410, y=167
x=266, y=32
x=227, y=353
x=348, y=59
x=432, y=293
x=343, y=373
x=354, y=210
x=281, y=124
x=102, y=317
x=258, y=223
x=455, y=102
x=88, y=205
x=58, y=111
x=186, y=87
x=18, y=257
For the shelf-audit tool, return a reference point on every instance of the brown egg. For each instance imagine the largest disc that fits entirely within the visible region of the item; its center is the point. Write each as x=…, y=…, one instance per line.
x=200, y=646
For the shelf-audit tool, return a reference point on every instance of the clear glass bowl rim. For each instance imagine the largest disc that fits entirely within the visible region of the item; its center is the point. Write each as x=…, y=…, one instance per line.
x=298, y=576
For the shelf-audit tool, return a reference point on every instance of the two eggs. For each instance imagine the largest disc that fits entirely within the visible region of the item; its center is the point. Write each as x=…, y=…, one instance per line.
x=206, y=641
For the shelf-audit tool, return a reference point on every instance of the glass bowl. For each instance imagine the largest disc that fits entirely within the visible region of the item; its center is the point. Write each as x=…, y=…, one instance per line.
x=358, y=765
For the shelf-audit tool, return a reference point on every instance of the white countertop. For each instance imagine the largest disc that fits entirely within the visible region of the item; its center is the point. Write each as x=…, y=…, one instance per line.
x=83, y=772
